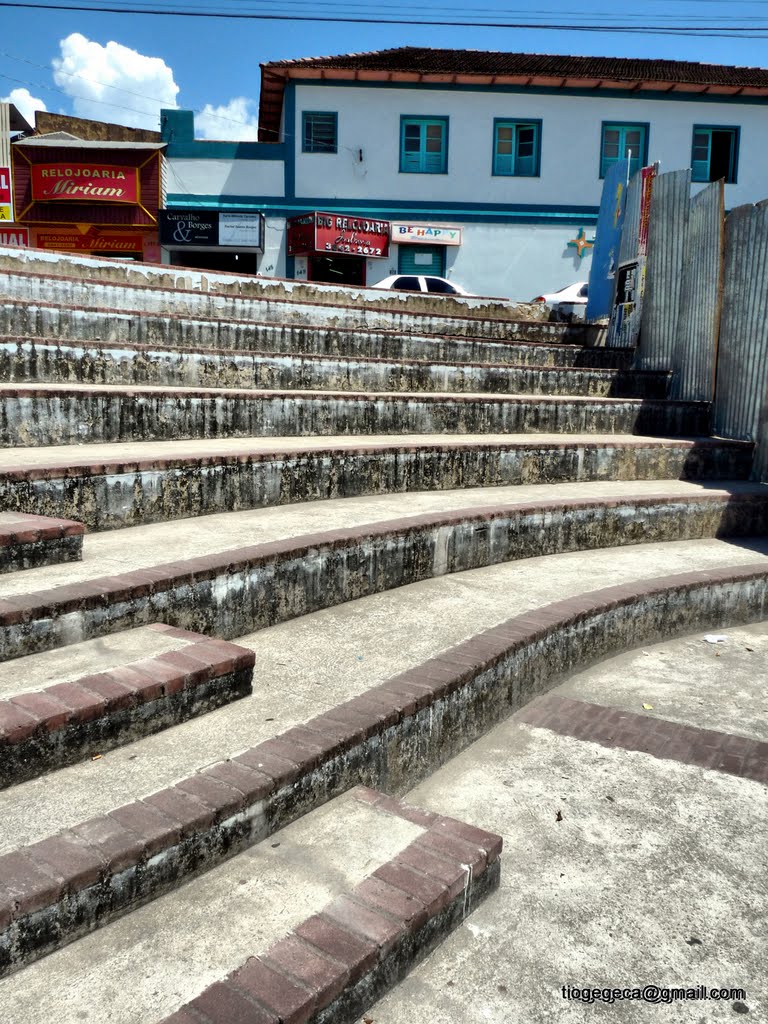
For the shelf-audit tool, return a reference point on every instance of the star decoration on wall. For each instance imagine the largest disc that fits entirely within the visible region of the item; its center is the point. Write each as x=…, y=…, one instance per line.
x=581, y=243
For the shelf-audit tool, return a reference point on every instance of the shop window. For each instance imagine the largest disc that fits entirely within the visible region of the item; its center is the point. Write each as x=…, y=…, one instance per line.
x=424, y=145
x=620, y=141
x=715, y=153
x=516, y=148
x=319, y=131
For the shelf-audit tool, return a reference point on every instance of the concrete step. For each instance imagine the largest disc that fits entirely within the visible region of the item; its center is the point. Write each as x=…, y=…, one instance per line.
x=394, y=733
x=130, y=484
x=537, y=343
x=637, y=806
x=297, y=293
x=28, y=541
x=376, y=310
x=311, y=665
x=242, y=571
x=57, y=710
x=27, y=360
x=45, y=414
x=330, y=948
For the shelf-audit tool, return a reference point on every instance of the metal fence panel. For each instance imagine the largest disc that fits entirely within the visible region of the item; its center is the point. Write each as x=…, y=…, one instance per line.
x=701, y=297
x=742, y=358
x=667, y=235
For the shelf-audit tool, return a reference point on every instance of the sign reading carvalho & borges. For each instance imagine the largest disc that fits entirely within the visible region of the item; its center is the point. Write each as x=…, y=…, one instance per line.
x=85, y=183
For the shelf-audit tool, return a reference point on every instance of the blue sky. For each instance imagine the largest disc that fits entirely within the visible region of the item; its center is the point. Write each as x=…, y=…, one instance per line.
x=118, y=67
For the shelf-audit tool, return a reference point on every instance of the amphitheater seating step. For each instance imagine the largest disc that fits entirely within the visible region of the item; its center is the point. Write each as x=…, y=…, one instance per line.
x=28, y=541
x=128, y=484
x=43, y=414
x=55, y=711
x=337, y=863
x=531, y=343
x=24, y=360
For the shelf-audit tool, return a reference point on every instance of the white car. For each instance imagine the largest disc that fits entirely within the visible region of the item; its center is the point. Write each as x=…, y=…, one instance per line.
x=570, y=301
x=421, y=283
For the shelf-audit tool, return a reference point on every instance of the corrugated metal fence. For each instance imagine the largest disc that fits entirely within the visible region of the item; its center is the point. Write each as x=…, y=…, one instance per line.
x=705, y=314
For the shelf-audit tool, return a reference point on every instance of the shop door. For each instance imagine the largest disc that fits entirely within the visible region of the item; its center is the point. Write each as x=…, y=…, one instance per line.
x=335, y=269
x=421, y=259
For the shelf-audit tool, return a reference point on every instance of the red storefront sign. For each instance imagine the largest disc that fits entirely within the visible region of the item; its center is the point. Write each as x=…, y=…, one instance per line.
x=12, y=234
x=5, y=185
x=331, y=232
x=93, y=240
x=85, y=183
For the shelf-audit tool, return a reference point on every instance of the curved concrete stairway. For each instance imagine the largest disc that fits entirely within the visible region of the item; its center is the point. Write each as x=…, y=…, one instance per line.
x=395, y=597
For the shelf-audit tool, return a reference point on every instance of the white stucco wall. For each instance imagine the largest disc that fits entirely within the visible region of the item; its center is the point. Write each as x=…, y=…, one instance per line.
x=225, y=177
x=369, y=120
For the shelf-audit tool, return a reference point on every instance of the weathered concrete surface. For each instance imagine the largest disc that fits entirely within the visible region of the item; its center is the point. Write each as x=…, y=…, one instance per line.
x=113, y=486
x=88, y=658
x=654, y=876
x=386, y=310
x=280, y=289
x=107, y=554
x=27, y=360
x=314, y=663
x=44, y=414
x=144, y=966
x=534, y=342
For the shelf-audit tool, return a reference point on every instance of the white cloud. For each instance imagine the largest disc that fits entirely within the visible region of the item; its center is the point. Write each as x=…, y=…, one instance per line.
x=131, y=87
x=232, y=121
x=24, y=103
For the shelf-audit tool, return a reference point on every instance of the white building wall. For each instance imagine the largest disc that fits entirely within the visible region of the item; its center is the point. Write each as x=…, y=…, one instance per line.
x=369, y=120
x=225, y=177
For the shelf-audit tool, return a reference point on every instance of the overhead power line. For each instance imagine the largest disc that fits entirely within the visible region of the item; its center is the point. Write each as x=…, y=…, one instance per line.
x=720, y=31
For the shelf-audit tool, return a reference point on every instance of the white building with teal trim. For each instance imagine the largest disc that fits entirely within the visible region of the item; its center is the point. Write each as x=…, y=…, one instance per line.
x=489, y=165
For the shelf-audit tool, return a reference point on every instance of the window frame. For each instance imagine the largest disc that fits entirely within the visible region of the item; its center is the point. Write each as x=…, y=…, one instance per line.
x=644, y=126
x=424, y=120
x=506, y=122
x=736, y=131
x=305, y=115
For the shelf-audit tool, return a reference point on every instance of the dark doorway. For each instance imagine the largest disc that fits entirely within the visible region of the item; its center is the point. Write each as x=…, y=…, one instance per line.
x=335, y=269
x=229, y=262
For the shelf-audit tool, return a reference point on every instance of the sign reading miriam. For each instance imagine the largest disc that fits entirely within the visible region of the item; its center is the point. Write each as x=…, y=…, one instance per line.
x=85, y=183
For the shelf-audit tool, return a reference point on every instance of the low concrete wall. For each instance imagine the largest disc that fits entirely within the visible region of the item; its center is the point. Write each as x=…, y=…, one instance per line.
x=114, y=493
x=287, y=310
x=539, y=344
x=28, y=360
x=235, y=592
x=390, y=737
x=53, y=415
x=111, y=271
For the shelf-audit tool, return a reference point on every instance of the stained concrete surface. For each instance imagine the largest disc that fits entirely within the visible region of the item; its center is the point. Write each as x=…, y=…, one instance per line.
x=119, y=551
x=89, y=657
x=312, y=663
x=655, y=874
x=143, y=966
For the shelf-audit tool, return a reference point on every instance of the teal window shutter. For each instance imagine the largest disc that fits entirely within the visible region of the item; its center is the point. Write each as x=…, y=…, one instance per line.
x=714, y=153
x=319, y=131
x=620, y=141
x=424, y=145
x=516, y=148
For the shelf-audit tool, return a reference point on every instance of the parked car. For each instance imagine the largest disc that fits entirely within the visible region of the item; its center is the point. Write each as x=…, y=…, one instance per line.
x=568, y=303
x=421, y=283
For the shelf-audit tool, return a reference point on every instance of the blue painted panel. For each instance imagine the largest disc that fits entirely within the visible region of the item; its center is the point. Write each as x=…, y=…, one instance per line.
x=605, y=255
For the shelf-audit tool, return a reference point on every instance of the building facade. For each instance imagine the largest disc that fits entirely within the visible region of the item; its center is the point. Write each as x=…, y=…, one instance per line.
x=486, y=167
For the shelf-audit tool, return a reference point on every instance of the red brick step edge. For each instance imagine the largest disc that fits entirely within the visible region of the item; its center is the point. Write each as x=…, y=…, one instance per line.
x=45, y=729
x=334, y=965
x=30, y=541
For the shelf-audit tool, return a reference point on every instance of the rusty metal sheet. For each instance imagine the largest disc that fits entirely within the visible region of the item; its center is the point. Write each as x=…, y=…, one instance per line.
x=667, y=237
x=742, y=356
x=700, y=301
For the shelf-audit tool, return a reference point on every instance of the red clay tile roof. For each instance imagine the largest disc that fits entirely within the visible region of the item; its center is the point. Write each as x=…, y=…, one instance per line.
x=424, y=60
x=415, y=63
